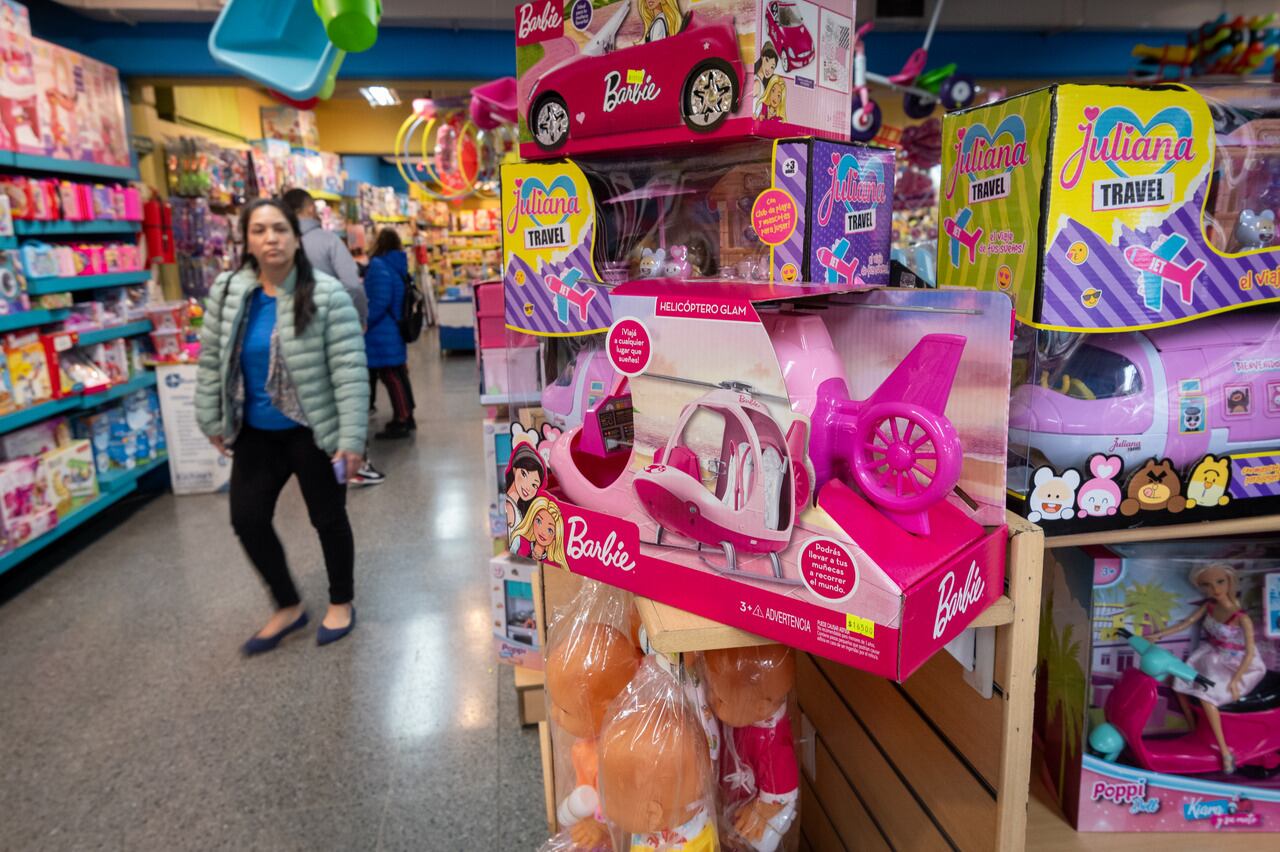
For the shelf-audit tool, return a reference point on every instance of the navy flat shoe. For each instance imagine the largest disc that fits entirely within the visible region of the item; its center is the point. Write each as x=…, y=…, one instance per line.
x=325, y=635
x=262, y=644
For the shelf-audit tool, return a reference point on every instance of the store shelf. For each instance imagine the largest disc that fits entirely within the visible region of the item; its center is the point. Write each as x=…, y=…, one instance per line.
x=9, y=243
x=1202, y=529
x=28, y=319
x=390, y=220
x=325, y=196
x=116, y=480
x=75, y=229
x=474, y=233
x=36, y=413
x=41, y=286
x=34, y=163
x=137, y=383
x=509, y=399
x=88, y=338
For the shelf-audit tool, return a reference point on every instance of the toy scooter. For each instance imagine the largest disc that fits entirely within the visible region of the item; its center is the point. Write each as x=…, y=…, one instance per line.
x=1251, y=725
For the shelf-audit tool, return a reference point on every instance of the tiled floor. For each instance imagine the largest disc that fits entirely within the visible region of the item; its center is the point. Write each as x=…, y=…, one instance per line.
x=128, y=720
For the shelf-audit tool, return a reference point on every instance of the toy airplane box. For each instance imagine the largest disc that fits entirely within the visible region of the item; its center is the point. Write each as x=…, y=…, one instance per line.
x=613, y=74
x=515, y=624
x=786, y=459
x=1110, y=208
x=788, y=210
x=1122, y=722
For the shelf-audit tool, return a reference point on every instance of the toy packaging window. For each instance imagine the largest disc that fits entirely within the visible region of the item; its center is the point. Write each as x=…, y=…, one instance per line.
x=634, y=74
x=1142, y=647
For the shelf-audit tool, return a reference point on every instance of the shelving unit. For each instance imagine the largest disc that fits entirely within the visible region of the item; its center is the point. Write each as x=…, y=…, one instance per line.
x=29, y=319
x=34, y=163
x=74, y=402
x=1201, y=529
x=132, y=329
x=118, y=479
x=94, y=227
x=44, y=286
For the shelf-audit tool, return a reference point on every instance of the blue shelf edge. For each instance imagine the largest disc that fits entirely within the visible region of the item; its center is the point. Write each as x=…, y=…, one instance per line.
x=43, y=286
x=80, y=401
x=88, y=338
x=36, y=163
x=27, y=319
x=137, y=383
x=117, y=480
x=65, y=525
x=25, y=228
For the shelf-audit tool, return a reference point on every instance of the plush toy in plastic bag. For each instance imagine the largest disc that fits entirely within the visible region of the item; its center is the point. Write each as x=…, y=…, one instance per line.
x=759, y=777
x=656, y=782
x=590, y=658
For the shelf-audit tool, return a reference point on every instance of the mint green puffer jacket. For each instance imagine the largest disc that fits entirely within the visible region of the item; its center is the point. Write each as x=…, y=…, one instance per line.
x=325, y=366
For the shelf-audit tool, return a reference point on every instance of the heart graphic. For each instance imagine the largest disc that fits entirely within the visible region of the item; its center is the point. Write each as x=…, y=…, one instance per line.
x=1177, y=118
x=563, y=183
x=848, y=163
x=1091, y=113
x=1105, y=471
x=1011, y=125
x=581, y=117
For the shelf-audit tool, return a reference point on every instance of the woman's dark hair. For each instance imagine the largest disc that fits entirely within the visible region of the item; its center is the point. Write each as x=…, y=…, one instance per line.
x=304, y=288
x=766, y=52
x=387, y=242
x=524, y=458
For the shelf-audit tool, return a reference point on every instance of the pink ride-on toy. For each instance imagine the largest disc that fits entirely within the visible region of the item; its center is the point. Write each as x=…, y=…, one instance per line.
x=791, y=39
x=896, y=445
x=761, y=481
x=1251, y=726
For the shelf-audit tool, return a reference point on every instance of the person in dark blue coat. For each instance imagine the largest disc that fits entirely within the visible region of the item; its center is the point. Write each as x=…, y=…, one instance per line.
x=384, y=283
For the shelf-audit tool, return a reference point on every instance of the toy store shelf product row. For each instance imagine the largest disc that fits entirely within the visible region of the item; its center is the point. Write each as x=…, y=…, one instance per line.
x=41, y=286
x=87, y=338
x=121, y=478
x=34, y=163
x=74, y=229
x=28, y=319
x=1201, y=529
x=35, y=413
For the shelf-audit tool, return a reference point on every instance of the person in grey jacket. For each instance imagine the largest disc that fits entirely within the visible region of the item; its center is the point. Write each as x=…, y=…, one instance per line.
x=283, y=384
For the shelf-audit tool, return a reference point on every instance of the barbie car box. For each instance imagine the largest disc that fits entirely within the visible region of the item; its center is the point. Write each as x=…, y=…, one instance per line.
x=1106, y=208
x=790, y=460
x=515, y=624
x=631, y=74
x=789, y=210
x=1160, y=686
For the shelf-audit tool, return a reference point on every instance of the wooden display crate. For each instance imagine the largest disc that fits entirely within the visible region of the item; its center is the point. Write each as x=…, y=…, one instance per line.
x=531, y=697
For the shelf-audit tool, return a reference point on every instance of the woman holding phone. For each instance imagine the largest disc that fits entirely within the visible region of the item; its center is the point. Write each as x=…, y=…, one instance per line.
x=283, y=387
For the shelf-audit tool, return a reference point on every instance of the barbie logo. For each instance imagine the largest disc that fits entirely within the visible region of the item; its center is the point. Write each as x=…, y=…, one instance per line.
x=638, y=89
x=979, y=150
x=609, y=553
x=1119, y=792
x=538, y=21
x=1117, y=137
x=952, y=601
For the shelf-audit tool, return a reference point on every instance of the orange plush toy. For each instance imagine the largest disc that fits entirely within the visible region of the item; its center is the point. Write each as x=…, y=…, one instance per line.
x=759, y=778
x=656, y=781
x=589, y=661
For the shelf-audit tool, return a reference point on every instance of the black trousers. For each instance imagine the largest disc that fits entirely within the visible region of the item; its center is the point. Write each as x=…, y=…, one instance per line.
x=398, y=388
x=261, y=465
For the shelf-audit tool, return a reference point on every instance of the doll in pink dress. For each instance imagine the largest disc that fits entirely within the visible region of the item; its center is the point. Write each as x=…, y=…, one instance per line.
x=1226, y=653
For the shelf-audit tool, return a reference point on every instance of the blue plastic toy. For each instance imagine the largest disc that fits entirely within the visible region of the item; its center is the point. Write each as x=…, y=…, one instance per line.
x=281, y=44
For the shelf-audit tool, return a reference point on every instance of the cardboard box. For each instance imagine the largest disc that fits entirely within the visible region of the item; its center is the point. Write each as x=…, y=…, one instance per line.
x=515, y=626
x=71, y=475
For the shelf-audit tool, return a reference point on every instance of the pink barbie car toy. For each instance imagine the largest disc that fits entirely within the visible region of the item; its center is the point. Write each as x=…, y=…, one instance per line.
x=896, y=445
x=695, y=75
x=789, y=35
x=760, y=480
x=1251, y=726
x=1177, y=392
x=585, y=380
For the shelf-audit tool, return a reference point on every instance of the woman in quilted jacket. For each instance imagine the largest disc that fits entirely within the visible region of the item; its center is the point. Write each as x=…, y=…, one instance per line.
x=283, y=388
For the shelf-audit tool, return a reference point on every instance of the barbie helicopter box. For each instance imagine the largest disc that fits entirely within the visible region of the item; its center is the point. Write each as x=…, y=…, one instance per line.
x=1159, y=699
x=790, y=460
x=610, y=74
x=789, y=210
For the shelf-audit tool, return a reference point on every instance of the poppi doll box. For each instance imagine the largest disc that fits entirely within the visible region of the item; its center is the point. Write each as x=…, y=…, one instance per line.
x=1106, y=208
x=789, y=210
x=515, y=624
x=1096, y=682
x=752, y=407
x=599, y=76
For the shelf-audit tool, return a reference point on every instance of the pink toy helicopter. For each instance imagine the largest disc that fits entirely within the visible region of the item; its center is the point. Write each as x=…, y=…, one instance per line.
x=760, y=480
x=1251, y=725
x=896, y=444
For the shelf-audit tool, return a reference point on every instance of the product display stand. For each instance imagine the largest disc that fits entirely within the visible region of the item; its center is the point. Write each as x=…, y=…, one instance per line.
x=1201, y=529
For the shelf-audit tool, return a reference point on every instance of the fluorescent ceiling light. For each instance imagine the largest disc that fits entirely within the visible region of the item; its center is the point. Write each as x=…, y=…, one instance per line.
x=380, y=96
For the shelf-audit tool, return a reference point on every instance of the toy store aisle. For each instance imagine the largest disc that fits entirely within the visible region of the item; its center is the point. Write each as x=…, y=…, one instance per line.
x=128, y=719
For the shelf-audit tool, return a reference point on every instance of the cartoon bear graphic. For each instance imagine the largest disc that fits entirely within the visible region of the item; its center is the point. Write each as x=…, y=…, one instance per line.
x=1256, y=230
x=1209, y=482
x=1100, y=496
x=1238, y=401
x=1054, y=496
x=1154, y=487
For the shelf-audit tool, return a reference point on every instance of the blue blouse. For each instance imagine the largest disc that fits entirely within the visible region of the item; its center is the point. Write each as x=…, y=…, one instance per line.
x=255, y=362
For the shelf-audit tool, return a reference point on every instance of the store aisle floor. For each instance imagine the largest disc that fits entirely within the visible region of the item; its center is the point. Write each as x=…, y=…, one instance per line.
x=128, y=719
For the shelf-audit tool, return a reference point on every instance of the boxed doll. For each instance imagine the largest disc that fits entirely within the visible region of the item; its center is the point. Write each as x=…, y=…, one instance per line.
x=71, y=477
x=19, y=127
x=789, y=460
x=29, y=374
x=792, y=210
x=515, y=625
x=36, y=439
x=620, y=74
x=13, y=285
x=25, y=508
x=1159, y=688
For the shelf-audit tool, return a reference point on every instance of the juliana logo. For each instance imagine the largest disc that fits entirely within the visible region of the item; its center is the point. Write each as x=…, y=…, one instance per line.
x=638, y=88
x=535, y=199
x=978, y=150
x=1120, y=139
x=538, y=21
x=851, y=183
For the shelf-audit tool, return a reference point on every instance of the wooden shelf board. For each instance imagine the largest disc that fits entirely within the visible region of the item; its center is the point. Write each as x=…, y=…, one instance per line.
x=1201, y=529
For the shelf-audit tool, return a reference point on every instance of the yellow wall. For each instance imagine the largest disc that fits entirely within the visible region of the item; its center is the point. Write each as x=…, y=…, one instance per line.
x=354, y=127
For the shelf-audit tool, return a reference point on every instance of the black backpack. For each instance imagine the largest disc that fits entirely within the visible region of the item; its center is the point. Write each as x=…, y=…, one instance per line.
x=413, y=311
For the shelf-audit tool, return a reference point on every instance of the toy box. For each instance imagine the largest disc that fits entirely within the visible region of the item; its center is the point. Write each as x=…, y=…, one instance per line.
x=29, y=373
x=515, y=625
x=790, y=210
x=115, y=445
x=1117, y=746
x=71, y=477
x=36, y=439
x=20, y=129
x=620, y=74
x=24, y=503
x=788, y=459
x=1107, y=208
x=13, y=285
